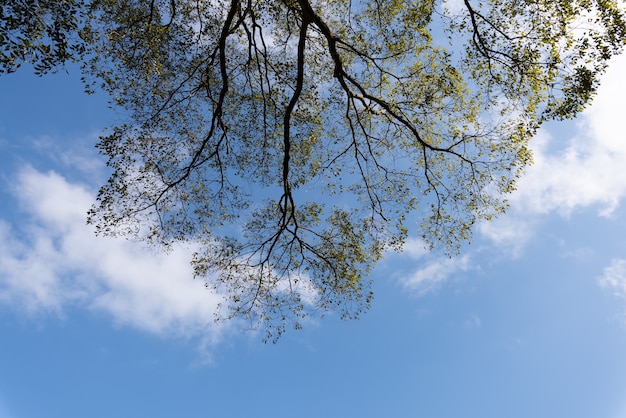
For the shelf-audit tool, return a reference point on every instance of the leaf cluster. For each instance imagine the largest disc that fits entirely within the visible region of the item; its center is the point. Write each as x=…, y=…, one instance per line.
x=44, y=33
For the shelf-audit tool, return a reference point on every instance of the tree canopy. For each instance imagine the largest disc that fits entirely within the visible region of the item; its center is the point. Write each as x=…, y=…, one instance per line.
x=294, y=142
x=41, y=32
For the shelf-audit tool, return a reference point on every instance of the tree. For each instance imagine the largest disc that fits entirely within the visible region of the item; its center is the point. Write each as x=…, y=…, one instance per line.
x=41, y=32
x=294, y=142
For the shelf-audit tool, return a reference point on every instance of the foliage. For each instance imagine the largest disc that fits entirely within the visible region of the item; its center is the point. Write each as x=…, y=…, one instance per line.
x=297, y=140
x=41, y=32
x=294, y=139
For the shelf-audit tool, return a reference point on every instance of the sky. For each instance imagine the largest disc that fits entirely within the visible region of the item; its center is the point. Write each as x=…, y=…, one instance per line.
x=529, y=320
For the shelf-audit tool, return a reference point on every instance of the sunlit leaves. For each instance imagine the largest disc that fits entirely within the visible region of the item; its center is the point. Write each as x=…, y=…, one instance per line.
x=297, y=141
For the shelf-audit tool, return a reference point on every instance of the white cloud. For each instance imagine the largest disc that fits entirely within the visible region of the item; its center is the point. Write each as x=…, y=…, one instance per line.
x=509, y=233
x=52, y=259
x=428, y=278
x=415, y=248
x=588, y=171
x=473, y=322
x=614, y=277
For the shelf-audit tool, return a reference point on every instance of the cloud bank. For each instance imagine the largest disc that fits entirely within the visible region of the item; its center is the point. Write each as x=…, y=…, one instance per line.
x=52, y=260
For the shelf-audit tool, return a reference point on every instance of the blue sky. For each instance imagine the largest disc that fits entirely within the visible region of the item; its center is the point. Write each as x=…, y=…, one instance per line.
x=529, y=320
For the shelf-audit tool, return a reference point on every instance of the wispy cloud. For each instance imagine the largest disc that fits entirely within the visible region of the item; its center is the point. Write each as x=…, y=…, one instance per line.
x=509, y=233
x=434, y=273
x=51, y=260
x=415, y=248
x=614, y=277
